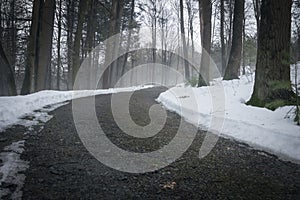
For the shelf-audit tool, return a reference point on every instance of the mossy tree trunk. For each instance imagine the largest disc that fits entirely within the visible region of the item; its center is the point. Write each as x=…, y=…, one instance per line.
x=272, y=78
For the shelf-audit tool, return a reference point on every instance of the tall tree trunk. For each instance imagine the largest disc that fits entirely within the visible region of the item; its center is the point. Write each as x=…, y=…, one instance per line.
x=83, y=8
x=229, y=42
x=272, y=76
x=257, y=5
x=30, y=70
x=223, y=49
x=115, y=67
x=70, y=28
x=114, y=28
x=58, y=45
x=243, y=46
x=185, y=53
x=13, y=35
x=129, y=37
x=45, y=45
x=90, y=43
x=191, y=28
x=205, y=19
x=7, y=81
x=233, y=66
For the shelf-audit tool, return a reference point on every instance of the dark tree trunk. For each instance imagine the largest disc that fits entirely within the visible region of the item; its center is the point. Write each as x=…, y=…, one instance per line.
x=233, y=66
x=116, y=66
x=114, y=28
x=70, y=29
x=45, y=45
x=185, y=53
x=298, y=44
x=7, y=81
x=39, y=47
x=223, y=49
x=229, y=42
x=257, y=5
x=30, y=69
x=58, y=45
x=90, y=43
x=272, y=76
x=205, y=23
x=83, y=8
x=128, y=38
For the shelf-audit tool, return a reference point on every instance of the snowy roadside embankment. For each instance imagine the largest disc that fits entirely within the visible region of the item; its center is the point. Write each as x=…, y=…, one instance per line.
x=261, y=128
x=16, y=107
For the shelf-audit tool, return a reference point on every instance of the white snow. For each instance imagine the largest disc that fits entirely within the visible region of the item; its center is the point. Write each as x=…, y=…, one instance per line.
x=11, y=169
x=271, y=131
x=12, y=109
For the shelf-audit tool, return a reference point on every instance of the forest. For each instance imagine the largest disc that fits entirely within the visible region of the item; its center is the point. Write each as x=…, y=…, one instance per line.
x=43, y=43
x=149, y=99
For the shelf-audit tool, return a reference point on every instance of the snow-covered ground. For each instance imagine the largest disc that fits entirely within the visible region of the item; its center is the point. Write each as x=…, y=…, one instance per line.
x=271, y=131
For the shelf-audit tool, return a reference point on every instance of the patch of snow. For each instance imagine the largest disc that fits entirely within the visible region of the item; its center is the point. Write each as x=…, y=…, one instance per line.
x=10, y=171
x=261, y=128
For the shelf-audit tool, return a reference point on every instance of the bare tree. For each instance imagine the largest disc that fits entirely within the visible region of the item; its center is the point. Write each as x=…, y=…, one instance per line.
x=185, y=53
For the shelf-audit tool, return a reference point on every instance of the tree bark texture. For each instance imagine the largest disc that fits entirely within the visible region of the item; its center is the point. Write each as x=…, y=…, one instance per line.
x=272, y=76
x=233, y=66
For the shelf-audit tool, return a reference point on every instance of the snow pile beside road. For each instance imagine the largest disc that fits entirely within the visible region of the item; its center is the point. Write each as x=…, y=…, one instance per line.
x=16, y=107
x=11, y=170
x=261, y=128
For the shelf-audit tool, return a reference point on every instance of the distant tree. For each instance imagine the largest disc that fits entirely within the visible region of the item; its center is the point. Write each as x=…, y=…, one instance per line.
x=184, y=46
x=191, y=15
x=272, y=86
x=7, y=81
x=131, y=20
x=233, y=66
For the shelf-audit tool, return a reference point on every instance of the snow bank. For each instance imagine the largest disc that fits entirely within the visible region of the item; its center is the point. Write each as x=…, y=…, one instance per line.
x=12, y=168
x=16, y=107
x=261, y=128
